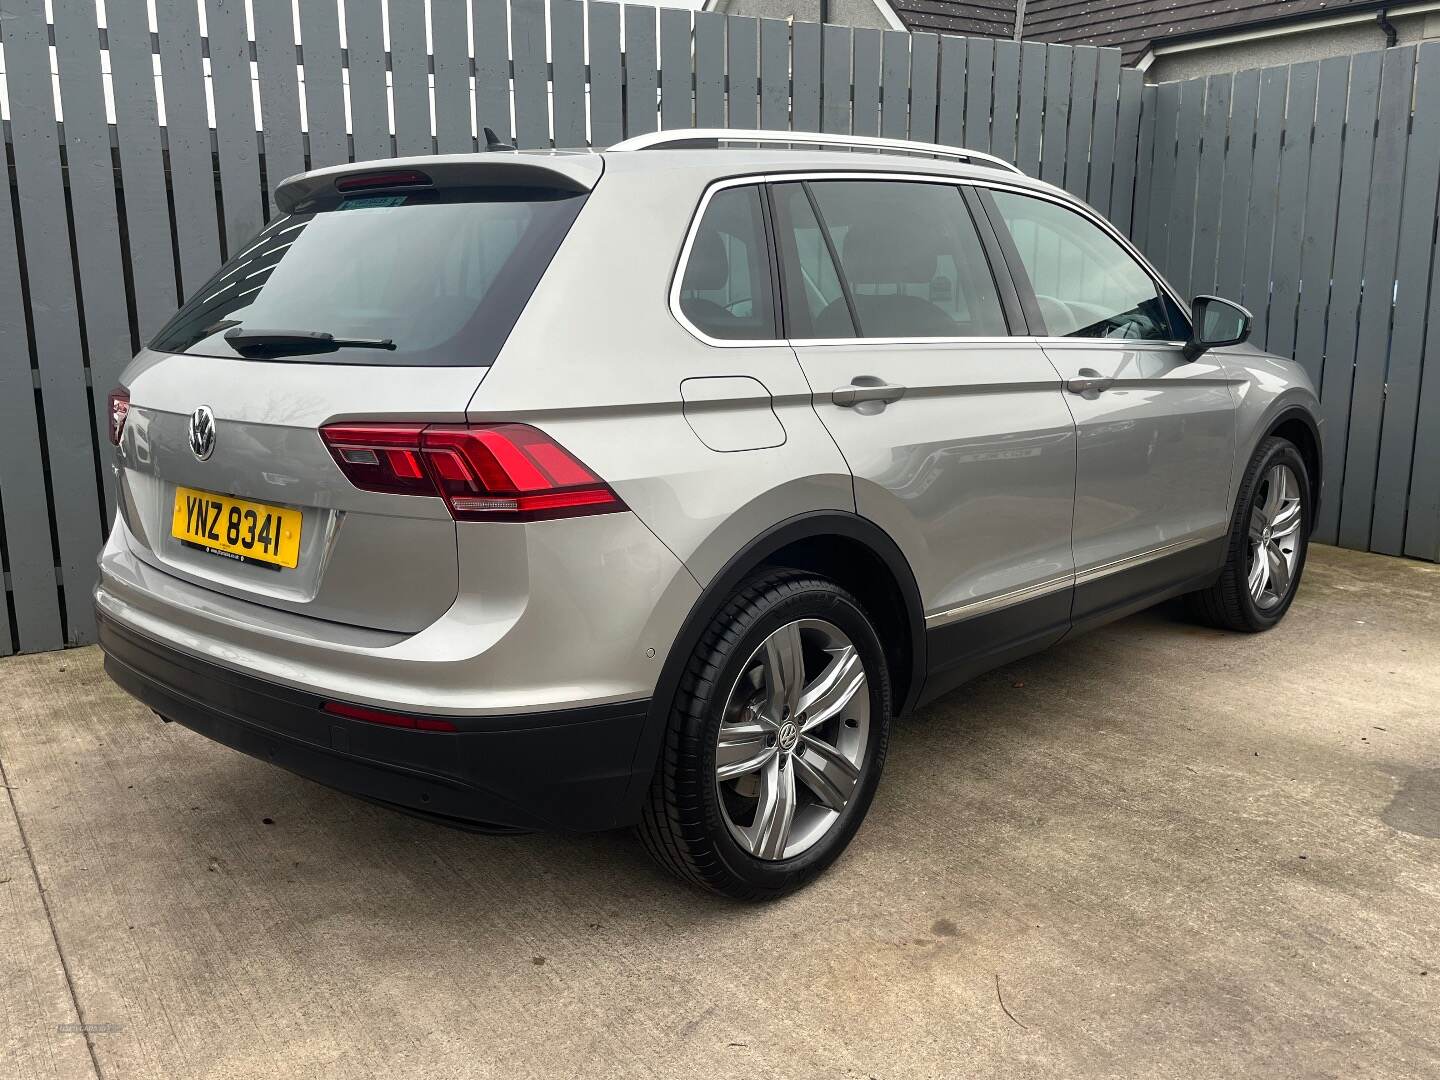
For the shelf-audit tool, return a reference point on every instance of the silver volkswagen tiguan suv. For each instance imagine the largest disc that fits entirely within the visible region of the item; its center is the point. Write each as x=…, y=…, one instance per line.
x=648, y=487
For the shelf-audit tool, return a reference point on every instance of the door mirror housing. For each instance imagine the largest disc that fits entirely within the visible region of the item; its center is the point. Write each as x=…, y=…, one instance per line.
x=1214, y=323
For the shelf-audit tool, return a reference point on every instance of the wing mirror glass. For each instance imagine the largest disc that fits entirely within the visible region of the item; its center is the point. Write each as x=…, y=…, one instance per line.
x=1214, y=323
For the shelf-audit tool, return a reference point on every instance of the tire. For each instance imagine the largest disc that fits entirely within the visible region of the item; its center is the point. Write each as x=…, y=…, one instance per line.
x=1232, y=602
x=694, y=822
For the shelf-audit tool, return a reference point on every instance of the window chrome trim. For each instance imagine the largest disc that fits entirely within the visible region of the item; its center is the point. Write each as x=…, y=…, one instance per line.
x=973, y=608
x=1047, y=193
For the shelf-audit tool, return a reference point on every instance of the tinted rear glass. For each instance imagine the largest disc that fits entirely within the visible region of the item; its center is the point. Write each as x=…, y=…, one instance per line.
x=441, y=274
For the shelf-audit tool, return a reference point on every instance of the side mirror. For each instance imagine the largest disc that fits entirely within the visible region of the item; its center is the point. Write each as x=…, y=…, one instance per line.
x=1214, y=323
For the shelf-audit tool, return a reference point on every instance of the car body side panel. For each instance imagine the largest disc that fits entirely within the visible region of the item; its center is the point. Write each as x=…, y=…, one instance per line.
x=1266, y=387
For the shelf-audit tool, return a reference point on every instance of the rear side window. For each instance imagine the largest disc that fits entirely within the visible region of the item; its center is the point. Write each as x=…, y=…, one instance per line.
x=726, y=291
x=1086, y=284
x=910, y=259
x=439, y=275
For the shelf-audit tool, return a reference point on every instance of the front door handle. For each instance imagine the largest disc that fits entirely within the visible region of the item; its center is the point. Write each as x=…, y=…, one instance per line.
x=1090, y=381
x=866, y=388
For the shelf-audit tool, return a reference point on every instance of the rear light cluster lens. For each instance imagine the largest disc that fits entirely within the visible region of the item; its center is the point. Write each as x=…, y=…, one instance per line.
x=389, y=719
x=489, y=472
x=117, y=408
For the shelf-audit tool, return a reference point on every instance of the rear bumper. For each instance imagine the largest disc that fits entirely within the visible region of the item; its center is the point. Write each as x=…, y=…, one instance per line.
x=565, y=770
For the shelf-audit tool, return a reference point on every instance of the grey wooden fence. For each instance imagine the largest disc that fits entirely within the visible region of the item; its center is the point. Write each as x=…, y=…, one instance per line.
x=114, y=221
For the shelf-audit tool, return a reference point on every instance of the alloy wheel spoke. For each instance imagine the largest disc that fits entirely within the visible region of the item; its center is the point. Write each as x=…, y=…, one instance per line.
x=831, y=693
x=1258, y=524
x=825, y=771
x=1279, y=570
x=783, y=663
x=1287, y=521
x=775, y=812
x=1274, y=491
x=742, y=749
x=1259, y=571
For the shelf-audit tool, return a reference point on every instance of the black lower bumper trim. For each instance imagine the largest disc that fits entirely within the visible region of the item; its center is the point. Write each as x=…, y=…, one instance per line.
x=566, y=770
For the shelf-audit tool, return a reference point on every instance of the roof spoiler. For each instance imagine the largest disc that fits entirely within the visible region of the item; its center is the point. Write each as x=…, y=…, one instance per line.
x=577, y=173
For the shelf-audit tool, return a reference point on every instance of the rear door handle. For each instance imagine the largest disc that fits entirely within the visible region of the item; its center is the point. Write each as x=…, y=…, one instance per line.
x=866, y=388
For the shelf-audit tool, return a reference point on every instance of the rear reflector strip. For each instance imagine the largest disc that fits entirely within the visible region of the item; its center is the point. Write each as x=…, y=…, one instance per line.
x=484, y=472
x=389, y=719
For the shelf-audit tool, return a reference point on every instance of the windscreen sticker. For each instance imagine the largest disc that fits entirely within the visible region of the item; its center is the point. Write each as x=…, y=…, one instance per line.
x=368, y=202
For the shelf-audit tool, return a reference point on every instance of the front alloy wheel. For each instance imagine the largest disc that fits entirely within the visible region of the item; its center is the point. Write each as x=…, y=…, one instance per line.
x=1275, y=541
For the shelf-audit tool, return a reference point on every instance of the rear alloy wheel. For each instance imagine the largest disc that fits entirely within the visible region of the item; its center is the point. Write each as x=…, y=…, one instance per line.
x=1265, y=552
x=776, y=741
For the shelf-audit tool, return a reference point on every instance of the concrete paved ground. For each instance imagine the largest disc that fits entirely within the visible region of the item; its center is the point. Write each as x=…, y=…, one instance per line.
x=1155, y=851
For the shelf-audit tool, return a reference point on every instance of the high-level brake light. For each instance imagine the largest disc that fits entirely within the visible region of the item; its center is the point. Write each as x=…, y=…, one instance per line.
x=484, y=472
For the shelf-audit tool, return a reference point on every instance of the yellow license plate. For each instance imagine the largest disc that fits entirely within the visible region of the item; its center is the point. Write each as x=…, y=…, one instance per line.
x=235, y=528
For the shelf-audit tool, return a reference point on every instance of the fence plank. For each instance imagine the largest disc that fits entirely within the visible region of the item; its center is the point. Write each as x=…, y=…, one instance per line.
x=492, y=70
x=1338, y=375
x=54, y=316
x=99, y=263
x=1181, y=241
x=895, y=82
x=1382, y=241
x=236, y=145
x=369, y=102
x=866, y=82
x=1162, y=173
x=532, y=89
x=1030, y=132
x=1407, y=343
x=979, y=95
x=324, y=92
x=1422, y=520
x=1102, y=141
x=835, y=79
x=1290, y=217
x=709, y=69
x=279, y=85
x=1127, y=149
x=640, y=77
x=142, y=165
x=950, y=117
x=187, y=129
x=1322, y=197
x=450, y=33
x=1006, y=105
x=805, y=65
x=1235, y=193
x=410, y=77
x=924, y=83
x=774, y=74
x=607, y=124
x=1056, y=123
x=1264, y=196
x=567, y=59
x=743, y=66
x=1144, y=160
x=1210, y=179
x=1083, y=69
x=677, y=76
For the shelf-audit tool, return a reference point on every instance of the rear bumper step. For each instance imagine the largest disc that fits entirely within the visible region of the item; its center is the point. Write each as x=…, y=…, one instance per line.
x=565, y=770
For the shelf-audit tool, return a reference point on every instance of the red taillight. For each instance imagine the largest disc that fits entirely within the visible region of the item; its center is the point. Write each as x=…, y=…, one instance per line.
x=372, y=181
x=378, y=716
x=508, y=472
x=117, y=408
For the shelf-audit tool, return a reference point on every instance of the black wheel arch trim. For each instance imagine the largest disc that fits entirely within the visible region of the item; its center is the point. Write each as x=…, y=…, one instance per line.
x=1305, y=416
x=811, y=525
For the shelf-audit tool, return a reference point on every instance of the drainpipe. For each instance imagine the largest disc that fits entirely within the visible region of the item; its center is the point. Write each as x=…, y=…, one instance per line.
x=1391, y=34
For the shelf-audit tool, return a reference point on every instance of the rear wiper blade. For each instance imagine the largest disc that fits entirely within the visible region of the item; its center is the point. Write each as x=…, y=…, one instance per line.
x=243, y=340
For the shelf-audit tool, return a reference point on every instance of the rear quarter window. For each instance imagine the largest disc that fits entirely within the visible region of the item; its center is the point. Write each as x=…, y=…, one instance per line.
x=443, y=275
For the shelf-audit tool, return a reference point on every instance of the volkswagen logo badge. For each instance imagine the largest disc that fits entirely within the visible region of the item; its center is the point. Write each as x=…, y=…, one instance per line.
x=202, y=433
x=789, y=736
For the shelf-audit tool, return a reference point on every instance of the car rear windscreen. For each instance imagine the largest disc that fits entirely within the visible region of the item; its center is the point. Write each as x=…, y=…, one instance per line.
x=425, y=278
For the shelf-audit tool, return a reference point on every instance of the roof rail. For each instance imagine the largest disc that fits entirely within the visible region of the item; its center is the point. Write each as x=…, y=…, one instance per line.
x=712, y=138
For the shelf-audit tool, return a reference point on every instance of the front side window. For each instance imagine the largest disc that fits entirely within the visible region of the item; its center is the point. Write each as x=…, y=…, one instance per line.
x=1085, y=283
x=911, y=262
x=726, y=291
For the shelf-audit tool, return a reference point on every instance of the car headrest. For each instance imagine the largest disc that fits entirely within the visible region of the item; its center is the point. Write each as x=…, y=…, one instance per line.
x=709, y=266
x=901, y=251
